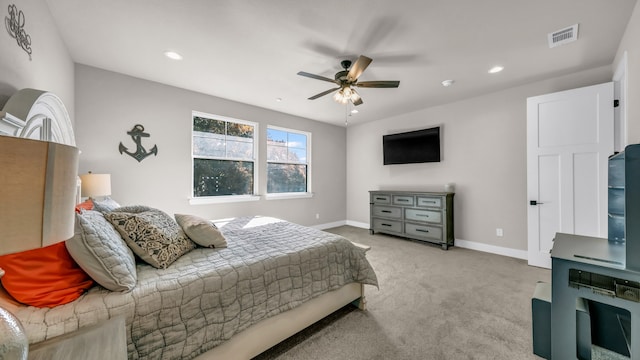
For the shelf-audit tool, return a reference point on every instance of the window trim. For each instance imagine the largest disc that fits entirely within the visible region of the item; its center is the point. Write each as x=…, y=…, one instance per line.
x=198, y=200
x=291, y=195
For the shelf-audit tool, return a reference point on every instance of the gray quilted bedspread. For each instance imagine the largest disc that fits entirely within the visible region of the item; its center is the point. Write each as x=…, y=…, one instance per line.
x=208, y=295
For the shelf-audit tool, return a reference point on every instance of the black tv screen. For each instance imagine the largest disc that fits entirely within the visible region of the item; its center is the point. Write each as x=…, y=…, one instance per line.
x=412, y=147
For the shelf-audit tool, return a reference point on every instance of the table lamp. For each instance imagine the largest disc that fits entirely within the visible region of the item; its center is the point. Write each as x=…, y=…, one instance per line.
x=95, y=185
x=37, y=191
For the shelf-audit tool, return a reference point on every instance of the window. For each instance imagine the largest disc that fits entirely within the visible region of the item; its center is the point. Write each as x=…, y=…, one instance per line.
x=224, y=152
x=288, y=164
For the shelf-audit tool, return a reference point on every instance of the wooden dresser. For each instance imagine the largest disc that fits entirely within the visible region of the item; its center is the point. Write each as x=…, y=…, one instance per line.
x=424, y=216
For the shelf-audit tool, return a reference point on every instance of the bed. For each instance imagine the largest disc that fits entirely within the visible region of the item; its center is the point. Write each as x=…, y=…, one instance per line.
x=272, y=280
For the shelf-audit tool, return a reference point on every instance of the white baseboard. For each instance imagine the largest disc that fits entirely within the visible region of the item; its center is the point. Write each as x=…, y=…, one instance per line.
x=472, y=245
x=358, y=224
x=499, y=250
x=329, y=225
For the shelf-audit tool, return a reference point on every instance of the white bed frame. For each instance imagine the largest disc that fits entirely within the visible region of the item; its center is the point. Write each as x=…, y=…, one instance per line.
x=41, y=115
x=107, y=340
x=271, y=331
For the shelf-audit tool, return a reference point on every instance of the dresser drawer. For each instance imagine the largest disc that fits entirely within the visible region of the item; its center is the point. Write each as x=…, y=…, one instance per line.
x=387, y=211
x=423, y=215
x=423, y=231
x=381, y=199
x=403, y=200
x=389, y=225
x=430, y=201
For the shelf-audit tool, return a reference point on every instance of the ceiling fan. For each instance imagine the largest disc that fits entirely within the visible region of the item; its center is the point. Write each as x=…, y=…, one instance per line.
x=347, y=80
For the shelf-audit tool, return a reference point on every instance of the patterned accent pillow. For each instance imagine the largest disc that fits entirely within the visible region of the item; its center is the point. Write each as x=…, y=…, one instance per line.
x=152, y=234
x=100, y=251
x=202, y=231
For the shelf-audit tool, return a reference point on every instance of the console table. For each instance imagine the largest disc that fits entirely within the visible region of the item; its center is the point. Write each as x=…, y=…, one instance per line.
x=592, y=269
x=423, y=216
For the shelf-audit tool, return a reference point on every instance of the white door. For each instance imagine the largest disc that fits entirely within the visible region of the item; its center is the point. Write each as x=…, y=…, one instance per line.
x=569, y=138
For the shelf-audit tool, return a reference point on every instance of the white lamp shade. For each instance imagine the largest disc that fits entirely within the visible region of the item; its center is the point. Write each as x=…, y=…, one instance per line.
x=37, y=191
x=94, y=185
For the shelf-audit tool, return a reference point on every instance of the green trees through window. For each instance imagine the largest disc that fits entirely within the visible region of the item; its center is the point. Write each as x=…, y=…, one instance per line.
x=287, y=164
x=223, y=157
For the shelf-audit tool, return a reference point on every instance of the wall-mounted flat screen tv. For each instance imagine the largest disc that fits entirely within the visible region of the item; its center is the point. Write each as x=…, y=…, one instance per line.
x=412, y=147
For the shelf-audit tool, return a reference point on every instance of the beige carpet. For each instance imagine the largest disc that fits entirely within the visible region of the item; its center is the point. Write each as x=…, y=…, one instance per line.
x=432, y=304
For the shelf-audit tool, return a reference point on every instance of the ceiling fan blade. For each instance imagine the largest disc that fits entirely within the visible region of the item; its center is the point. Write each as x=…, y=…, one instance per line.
x=317, y=77
x=357, y=68
x=378, y=84
x=323, y=93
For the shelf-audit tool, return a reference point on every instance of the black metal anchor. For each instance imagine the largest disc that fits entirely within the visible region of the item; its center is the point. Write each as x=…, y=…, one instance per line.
x=137, y=133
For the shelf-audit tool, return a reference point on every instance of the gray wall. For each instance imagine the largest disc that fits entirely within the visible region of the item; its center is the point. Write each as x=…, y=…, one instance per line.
x=110, y=104
x=50, y=68
x=483, y=153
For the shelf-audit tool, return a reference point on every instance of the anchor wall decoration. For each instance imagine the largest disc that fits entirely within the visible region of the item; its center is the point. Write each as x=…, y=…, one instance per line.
x=137, y=133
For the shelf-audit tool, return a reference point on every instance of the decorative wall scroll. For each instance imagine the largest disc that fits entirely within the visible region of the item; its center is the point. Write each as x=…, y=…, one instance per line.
x=15, y=26
x=137, y=133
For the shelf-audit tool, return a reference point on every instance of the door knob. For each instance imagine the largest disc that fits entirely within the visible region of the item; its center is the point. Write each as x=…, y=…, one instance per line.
x=533, y=202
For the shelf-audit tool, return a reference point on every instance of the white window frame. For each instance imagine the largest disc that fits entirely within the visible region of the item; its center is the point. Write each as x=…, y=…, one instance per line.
x=201, y=200
x=292, y=195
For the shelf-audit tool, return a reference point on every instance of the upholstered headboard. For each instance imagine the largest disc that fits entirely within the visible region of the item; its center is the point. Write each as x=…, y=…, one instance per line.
x=37, y=114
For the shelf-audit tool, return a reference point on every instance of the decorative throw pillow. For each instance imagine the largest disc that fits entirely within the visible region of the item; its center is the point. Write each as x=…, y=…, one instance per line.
x=152, y=234
x=44, y=277
x=202, y=231
x=106, y=205
x=85, y=205
x=100, y=251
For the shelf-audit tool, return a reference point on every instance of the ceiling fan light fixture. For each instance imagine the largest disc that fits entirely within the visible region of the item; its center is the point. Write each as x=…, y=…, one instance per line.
x=355, y=97
x=343, y=95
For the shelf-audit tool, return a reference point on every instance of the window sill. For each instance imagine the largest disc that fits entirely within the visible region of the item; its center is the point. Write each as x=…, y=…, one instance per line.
x=222, y=199
x=282, y=196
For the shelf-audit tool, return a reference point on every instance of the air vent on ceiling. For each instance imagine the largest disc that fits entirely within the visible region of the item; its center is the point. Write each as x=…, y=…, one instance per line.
x=563, y=36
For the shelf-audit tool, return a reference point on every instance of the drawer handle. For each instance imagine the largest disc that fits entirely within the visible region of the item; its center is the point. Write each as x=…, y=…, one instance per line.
x=386, y=211
x=405, y=200
x=421, y=230
x=379, y=198
x=385, y=224
x=430, y=202
x=424, y=215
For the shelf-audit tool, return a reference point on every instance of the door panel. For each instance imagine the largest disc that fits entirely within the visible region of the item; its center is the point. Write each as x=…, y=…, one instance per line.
x=569, y=138
x=585, y=167
x=567, y=122
x=549, y=211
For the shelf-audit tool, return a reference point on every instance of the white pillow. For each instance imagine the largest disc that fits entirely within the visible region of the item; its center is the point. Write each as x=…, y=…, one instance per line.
x=105, y=205
x=102, y=253
x=201, y=231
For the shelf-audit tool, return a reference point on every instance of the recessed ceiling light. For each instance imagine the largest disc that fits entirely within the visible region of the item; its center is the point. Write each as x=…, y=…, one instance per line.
x=354, y=111
x=173, y=55
x=496, y=69
x=279, y=99
x=447, y=83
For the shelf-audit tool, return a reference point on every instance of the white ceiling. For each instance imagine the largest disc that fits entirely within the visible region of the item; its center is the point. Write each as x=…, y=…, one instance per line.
x=251, y=50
